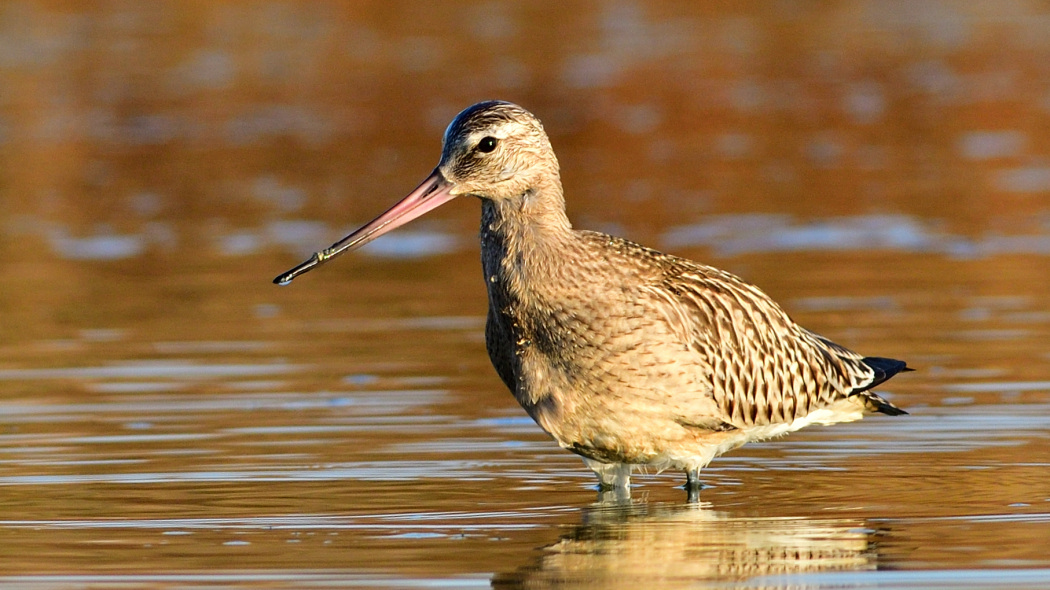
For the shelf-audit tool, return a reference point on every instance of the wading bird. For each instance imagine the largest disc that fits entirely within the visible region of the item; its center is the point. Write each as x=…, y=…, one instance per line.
x=626, y=356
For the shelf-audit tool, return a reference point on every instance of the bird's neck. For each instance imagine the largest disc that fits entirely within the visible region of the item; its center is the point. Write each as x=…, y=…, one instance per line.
x=525, y=241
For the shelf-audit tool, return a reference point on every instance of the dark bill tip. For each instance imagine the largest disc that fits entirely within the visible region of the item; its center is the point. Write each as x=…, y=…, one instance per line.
x=287, y=277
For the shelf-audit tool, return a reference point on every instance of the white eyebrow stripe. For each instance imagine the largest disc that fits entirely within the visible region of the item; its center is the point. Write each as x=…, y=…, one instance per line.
x=498, y=133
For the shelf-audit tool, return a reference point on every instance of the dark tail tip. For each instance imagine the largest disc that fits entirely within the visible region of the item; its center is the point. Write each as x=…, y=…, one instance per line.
x=884, y=369
x=884, y=407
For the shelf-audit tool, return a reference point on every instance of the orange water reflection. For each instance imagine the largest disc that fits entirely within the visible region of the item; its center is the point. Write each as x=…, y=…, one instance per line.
x=880, y=168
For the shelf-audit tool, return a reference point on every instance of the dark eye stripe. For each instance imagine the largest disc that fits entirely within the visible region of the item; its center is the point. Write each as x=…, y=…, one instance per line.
x=487, y=144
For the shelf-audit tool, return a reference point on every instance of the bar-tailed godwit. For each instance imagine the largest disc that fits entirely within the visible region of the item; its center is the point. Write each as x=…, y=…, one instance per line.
x=626, y=356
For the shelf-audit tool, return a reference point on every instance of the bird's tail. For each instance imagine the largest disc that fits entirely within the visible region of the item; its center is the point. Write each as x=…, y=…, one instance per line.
x=883, y=368
x=873, y=402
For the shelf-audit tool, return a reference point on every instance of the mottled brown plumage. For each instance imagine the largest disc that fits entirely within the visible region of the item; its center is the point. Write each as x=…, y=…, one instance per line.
x=626, y=356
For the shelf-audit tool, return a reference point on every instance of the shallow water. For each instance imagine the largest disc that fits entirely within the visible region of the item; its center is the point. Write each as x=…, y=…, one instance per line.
x=316, y=445
x=172, y=419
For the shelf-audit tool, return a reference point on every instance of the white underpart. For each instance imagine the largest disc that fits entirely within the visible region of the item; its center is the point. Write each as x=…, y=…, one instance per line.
x=618, y=475
x=613, y=475
x=842, y=411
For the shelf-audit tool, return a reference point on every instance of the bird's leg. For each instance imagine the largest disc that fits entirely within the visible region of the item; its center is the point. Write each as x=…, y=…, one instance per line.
x=611, y=475
x=692, y=484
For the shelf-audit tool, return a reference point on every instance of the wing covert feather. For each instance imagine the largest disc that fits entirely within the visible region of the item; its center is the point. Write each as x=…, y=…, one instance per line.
x=765, y=369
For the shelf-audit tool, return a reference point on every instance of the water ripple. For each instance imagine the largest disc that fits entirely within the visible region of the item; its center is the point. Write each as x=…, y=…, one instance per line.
x=154, y=369
x=734, y=235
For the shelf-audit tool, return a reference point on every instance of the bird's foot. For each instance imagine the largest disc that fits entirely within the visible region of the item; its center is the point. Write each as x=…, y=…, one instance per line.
x=613, y=495
x=693, y=485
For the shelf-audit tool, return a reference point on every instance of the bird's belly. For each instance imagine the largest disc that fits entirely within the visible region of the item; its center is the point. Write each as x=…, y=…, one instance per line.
x=620, y=389
x=648, y=417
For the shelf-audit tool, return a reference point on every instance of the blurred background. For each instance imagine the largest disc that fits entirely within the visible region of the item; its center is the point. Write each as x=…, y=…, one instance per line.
x=163, y=141
x=880, y=167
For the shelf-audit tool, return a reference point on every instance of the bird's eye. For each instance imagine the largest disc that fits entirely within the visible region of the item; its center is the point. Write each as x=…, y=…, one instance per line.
x=487, y=144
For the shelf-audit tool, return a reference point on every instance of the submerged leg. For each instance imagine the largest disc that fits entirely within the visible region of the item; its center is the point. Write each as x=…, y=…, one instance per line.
x=610, y=475
x=692, y=484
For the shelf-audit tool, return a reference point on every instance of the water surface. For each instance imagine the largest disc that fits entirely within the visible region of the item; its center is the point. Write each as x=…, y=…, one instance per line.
x=171, y=419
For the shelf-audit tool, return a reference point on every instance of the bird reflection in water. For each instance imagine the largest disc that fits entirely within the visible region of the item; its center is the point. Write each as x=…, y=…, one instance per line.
x=635, y=545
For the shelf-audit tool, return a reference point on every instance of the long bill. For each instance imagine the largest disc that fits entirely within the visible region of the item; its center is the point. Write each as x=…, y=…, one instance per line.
x=429, y=195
